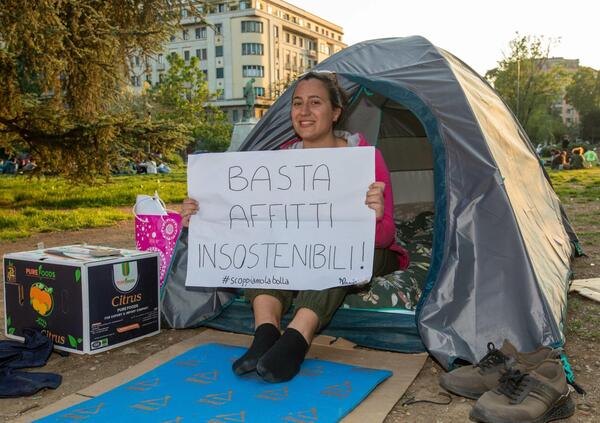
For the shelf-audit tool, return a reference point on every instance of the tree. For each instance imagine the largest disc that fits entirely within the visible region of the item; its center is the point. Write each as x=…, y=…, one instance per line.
x=182, y=96
x=583, y=93
x=590, y=126
x=64, y=70
x=529, y=85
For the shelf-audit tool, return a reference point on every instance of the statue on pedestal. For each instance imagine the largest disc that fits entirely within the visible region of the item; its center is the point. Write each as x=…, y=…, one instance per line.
x=250, y=97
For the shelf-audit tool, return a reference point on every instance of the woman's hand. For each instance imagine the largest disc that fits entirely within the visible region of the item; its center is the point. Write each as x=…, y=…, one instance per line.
x=375, y=198
x=189, y=208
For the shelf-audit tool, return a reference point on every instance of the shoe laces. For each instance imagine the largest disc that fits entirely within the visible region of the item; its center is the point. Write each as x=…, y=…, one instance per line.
x=512, y=383
x=493, y=358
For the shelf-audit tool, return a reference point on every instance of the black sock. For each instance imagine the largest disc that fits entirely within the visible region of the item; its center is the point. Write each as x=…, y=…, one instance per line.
x=282, y=362
x=264, y=337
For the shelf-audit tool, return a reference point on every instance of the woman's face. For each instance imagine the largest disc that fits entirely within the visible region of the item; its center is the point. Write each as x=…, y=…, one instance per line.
x=313, y=115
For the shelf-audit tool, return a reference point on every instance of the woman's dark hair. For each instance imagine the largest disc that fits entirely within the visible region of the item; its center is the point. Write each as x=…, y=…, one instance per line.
x=337, y=96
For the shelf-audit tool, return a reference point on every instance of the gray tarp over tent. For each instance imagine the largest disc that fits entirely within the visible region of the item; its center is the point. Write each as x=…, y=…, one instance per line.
x=500, y=264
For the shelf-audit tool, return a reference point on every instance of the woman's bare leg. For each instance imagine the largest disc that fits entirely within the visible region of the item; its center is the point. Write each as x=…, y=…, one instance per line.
x=267, y=309
x=306, y=322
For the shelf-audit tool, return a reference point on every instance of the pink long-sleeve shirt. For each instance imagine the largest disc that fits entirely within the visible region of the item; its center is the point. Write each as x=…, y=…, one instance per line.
x=385, y=228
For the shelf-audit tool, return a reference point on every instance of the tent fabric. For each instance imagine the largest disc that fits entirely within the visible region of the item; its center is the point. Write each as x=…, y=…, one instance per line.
x=501, y=254
x=188, y=307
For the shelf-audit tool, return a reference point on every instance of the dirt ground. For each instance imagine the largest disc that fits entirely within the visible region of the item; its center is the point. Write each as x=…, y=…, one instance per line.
x=583, y=339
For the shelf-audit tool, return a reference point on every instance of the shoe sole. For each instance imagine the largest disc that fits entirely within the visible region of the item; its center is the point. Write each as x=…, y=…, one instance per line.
x=564, y=408
x=460, y=392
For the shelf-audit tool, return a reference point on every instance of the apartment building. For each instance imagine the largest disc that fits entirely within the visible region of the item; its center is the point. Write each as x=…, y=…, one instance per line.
x=271, y=41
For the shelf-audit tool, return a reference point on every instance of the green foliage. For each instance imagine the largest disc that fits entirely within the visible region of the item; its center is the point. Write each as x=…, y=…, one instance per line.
x=590, y=126
x=63, y=68
x=530, y=86
x=583, y=93
x=182, y=97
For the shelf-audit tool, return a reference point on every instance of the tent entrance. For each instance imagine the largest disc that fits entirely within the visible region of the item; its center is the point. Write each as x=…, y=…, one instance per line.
x=402, y=140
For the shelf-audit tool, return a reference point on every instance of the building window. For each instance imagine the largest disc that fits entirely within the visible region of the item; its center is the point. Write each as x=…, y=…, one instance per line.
x=252, y=26
x=218, y=29
x=186, y=55
x=173, y=38
x=287, y=37
x=186, y=34
x=259, y=91
x=221, y=7
x=135, y=81
x=257, y=71
x=218, y=51
x=244, y=5
x=205, y=72
x=184, y=13
x=301, y=42
x=160, y=58
x=219, y=72
x=201, y=53
x=201, y=33
x=294, y=40
x=252, y=49
x=235, y=115
x=276, y=31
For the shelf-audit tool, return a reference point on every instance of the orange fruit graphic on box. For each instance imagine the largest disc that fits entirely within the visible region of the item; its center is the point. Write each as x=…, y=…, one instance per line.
x=40, y=297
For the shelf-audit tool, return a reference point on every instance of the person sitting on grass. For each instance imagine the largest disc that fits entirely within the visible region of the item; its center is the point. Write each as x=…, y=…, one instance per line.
x=590, y=158
x=317, y=105
x=576, y=161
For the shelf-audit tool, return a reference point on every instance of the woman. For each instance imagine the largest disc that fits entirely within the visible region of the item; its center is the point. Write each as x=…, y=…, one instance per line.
x=317, y=106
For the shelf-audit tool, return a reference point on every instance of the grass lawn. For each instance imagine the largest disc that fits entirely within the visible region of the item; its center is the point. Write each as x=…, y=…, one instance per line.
x=49, y=204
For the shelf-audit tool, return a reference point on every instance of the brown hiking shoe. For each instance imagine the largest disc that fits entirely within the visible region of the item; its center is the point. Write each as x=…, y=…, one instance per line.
x=473, y=381
x=540, y=396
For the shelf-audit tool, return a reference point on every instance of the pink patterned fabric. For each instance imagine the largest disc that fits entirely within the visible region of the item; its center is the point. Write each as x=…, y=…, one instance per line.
x=158, y=233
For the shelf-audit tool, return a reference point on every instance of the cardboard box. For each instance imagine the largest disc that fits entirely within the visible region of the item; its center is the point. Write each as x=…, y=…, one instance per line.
x=87, y=299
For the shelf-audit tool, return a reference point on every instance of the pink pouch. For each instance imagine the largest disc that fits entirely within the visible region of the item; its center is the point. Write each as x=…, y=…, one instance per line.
x=158, y=233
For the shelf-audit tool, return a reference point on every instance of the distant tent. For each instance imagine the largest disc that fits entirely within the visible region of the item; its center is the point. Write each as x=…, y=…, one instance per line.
x=500, y=262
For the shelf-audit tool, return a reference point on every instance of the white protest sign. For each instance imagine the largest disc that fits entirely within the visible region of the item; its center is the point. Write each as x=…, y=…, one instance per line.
x=287, y=219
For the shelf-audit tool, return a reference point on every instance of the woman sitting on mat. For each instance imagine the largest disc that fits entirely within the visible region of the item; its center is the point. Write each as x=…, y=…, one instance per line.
x=317, y=105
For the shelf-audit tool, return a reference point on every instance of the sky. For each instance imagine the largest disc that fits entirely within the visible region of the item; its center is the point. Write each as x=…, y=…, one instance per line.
x=477, y=32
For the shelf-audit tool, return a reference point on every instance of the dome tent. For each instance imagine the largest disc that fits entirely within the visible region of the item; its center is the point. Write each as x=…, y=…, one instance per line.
x=500, y=262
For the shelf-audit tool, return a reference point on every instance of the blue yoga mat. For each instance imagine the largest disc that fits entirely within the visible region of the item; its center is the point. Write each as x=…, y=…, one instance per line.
x=200, y=386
